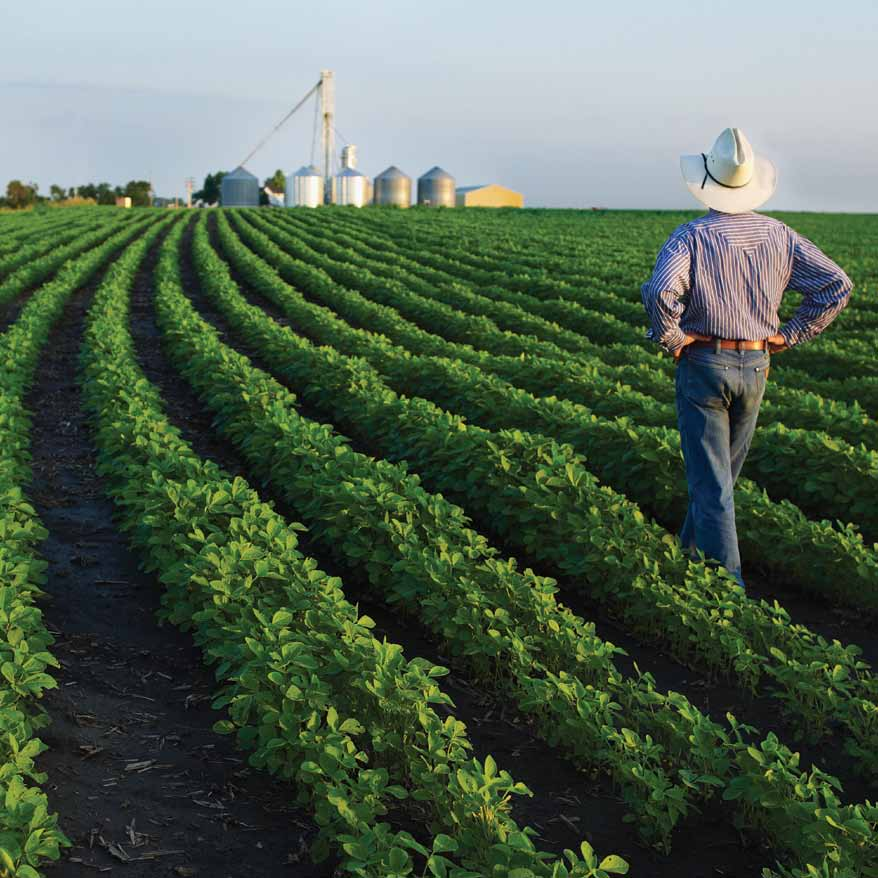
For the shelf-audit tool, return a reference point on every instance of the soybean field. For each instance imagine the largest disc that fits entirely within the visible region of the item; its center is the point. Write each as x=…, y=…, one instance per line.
x=342, y=542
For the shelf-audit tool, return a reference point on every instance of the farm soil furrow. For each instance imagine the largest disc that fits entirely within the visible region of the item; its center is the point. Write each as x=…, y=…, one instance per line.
x=565, y=801
x=135, y=771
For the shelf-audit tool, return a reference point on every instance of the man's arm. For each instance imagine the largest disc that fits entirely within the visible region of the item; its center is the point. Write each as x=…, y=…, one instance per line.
x=825, y=290
x=662, y=292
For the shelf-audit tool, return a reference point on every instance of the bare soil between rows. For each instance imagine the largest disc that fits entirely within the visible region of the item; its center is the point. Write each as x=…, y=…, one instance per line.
x=142, y=784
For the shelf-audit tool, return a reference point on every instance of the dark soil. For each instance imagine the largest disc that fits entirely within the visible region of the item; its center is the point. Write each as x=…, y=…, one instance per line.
x=142, y=784
x=567, y=806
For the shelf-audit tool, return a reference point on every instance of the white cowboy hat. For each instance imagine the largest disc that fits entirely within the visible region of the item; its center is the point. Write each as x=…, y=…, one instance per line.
x=730, y=178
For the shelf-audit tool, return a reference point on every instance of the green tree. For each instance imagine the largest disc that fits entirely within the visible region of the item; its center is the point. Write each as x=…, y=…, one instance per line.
x=20, y=194
x=104, y=194
x=210, y=192
x=277, y=182
x=56, y=192
x=139, y=191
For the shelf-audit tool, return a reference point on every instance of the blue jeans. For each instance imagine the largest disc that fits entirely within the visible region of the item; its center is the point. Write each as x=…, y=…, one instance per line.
x=718, y=398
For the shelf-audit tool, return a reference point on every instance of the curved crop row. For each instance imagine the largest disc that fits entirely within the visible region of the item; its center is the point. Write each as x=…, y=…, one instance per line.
x=822, y=367
x=309, y=689
x=51, y=238
x=45, y=266
x=492, y=264
x=790, y=406
x=823, y=475
x=643, y=463
x=20, y=231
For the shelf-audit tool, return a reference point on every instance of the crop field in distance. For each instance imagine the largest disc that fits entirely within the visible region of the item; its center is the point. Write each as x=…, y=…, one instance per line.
x=341, y=542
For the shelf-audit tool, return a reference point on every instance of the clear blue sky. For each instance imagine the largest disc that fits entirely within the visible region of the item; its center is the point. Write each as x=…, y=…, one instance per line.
x=573, y=103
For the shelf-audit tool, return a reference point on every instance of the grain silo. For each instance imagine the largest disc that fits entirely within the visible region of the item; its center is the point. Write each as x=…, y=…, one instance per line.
x=350, y=188
x=392, y=187
x=349, y=156
x=239, y=189
x=304, y=188
x=436, y=188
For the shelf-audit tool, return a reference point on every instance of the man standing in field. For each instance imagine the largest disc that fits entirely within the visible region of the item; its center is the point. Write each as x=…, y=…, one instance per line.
x=712, y=301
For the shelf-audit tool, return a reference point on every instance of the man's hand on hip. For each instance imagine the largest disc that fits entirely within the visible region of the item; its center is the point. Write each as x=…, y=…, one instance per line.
x=776, y=344
x=688, y=339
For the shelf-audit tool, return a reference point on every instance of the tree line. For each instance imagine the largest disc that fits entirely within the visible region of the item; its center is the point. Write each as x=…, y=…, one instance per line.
x=20, y=194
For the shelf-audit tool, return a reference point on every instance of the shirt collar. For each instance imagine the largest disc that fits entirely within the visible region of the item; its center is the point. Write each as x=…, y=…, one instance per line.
x=712, y=211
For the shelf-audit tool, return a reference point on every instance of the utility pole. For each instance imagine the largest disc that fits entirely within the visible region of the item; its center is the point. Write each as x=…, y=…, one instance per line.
x=190, y=182
x=327, y=100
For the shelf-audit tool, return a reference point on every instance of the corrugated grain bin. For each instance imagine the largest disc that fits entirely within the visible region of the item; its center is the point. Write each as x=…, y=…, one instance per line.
x=304, y=188
x=436, y=188
x=350, y=188
x=394, y=188
x=239, y=189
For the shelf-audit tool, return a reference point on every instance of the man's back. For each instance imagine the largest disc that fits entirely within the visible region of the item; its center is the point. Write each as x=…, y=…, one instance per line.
x=728, y=273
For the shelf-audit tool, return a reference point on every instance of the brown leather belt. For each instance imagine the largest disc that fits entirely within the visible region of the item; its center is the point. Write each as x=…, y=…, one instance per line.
x=733, y=345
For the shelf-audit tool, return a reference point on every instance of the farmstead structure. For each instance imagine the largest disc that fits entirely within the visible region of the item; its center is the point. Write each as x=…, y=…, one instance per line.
x=489, y=195
x=402, y=485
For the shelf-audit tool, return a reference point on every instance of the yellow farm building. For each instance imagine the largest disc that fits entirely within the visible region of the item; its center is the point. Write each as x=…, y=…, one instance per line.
x=490, y=195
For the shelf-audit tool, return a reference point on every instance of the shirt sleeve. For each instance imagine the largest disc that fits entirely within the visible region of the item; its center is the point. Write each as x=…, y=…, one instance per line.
x=661, y=294
x=825, y=290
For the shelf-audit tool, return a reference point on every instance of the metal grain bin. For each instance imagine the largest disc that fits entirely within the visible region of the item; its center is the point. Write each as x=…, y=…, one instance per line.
x=239, y=189
x=349, y=156
x=304, y=188
x=350, y=188
x=392, y=187
x=436, y=188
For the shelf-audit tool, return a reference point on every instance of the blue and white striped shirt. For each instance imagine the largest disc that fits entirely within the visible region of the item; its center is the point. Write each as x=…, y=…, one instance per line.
x=724, y=275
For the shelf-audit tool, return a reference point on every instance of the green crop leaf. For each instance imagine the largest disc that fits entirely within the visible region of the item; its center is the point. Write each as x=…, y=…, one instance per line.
x=397, y=859
x=443, y=844
x=614, y=864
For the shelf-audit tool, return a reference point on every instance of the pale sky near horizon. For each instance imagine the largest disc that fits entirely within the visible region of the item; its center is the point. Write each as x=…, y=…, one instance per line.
x=574, y=104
